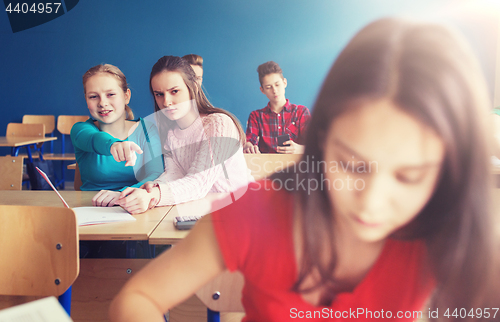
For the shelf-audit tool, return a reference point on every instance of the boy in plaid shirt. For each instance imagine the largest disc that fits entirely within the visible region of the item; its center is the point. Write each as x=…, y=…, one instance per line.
x=279, y=117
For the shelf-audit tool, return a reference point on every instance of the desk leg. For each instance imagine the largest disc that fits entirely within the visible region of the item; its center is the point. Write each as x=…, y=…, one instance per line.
x=63, y=178
x=65, y=300
x=15, y=152
x=213, y=316
x=28, y=150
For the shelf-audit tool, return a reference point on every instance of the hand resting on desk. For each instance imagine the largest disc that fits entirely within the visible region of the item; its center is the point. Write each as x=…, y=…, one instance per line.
x=138, y=200
x=105, y=198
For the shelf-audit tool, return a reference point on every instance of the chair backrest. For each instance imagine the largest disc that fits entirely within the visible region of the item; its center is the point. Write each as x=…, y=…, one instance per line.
x=20, y=129
x=223, y=294
x=48, y=120
x=11, y=173
x=263, y=165
x=66, y=122
x=39, y=250
x=78, y=179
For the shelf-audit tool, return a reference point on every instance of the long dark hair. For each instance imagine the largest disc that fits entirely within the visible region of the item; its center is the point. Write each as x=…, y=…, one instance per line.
x=180, y=65
x=429, y=72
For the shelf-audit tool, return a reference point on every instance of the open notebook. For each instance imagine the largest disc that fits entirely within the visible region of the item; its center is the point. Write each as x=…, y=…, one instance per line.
x=93, y=215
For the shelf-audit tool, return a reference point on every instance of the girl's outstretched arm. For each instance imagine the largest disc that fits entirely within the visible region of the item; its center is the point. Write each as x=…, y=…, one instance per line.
x=86, y=136
x=171, y=278
x=152, y=165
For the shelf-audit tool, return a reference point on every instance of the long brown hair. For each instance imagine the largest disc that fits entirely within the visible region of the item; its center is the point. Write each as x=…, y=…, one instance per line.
x=116, y=73
x=180, y=65
x=429, y=72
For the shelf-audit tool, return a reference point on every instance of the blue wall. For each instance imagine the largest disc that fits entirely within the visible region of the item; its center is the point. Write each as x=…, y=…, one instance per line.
x=41, y=67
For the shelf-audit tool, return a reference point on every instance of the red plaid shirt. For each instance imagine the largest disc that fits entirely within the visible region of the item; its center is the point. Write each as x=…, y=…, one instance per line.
x=264, y=126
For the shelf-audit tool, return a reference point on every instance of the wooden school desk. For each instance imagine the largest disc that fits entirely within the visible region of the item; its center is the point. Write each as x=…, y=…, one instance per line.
x=100, y=279
x=17, y=142
x=166, y=233
x=140, y=229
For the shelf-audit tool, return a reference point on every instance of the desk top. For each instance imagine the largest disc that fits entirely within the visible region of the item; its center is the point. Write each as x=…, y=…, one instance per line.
x=264, y=164
x=16, y=141
x=140, y=229
x=166, y=233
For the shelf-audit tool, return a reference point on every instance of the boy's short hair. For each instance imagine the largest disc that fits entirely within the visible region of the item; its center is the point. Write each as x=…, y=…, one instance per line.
x=194, y=59
x=267, y=68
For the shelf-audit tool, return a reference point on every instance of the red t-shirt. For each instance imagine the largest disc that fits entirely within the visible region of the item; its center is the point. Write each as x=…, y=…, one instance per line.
x=255, y=237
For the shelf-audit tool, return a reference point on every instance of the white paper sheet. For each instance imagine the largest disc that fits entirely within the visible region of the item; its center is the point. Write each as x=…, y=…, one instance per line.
x=46, y=309
x=101, y=215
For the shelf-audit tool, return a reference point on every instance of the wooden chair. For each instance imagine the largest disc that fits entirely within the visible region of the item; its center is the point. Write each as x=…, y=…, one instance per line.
x=64, y=125
x=24, y=130
x=77, y=184
x=222, y=294
x=11, y=173
x=20, y=129
x=264, y=164
x=48, y=120
x=39, y=254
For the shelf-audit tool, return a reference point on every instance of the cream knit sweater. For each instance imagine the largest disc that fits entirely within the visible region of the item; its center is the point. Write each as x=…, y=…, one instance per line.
x=195, y=158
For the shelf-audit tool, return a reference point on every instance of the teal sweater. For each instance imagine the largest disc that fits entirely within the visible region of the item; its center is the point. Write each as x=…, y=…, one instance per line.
x=99, y=170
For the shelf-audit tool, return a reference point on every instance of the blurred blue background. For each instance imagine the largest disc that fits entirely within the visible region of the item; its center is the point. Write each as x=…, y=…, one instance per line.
x=41, y=68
